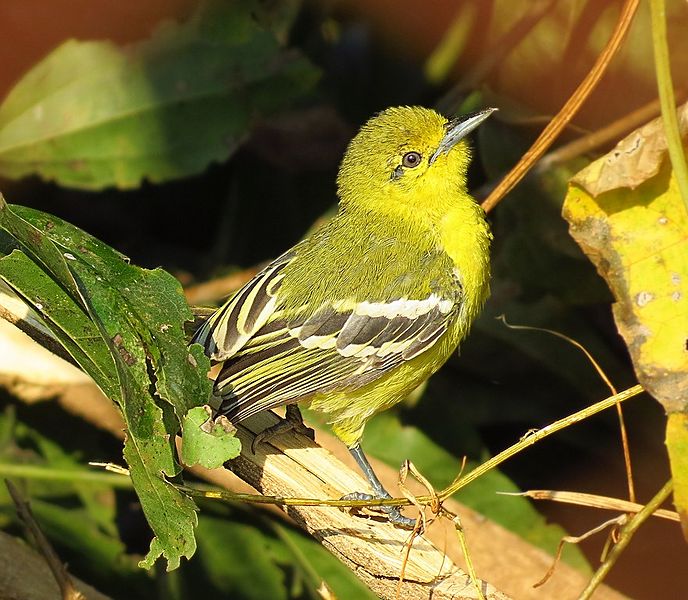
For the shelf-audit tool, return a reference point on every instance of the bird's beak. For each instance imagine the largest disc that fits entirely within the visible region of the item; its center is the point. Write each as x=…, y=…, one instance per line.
x=459, y=128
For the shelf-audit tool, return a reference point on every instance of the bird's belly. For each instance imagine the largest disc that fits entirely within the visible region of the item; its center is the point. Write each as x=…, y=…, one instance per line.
x=349, y=410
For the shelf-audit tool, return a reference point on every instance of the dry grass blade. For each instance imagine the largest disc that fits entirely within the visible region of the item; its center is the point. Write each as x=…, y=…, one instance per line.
x=594, y=501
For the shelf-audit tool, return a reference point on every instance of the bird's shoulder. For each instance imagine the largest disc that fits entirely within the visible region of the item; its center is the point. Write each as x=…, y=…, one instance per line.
x=349, y=263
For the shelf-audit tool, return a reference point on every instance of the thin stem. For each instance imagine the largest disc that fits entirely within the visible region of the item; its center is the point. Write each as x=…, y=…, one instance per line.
x=626, y=534
x=427, y=499
x=72, y=476
x=556, y=125
x=667, y=100
x=536, y=436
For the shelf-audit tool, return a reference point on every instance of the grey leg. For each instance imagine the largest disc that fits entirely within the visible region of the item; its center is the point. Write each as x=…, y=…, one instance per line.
x=393, y=513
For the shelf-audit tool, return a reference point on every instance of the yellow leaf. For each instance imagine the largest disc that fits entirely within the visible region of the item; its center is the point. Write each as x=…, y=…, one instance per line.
x=677, y=442
x=626, y=213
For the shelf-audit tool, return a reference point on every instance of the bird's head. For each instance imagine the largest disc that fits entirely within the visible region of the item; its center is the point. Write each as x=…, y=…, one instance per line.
x=408, y=158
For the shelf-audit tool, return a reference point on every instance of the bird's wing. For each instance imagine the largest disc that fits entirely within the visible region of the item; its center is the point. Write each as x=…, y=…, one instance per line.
x=231, y=326
x=271, y=358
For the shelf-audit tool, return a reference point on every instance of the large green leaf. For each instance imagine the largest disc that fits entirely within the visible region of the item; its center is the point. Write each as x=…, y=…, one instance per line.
x=92, y=115
x=124, y=326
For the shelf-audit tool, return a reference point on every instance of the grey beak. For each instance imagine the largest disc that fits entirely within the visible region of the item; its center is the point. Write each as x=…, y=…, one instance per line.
x=459, y=128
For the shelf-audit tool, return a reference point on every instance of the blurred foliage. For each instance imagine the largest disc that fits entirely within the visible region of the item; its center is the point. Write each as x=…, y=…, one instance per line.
x=214, y=144
x=93, y=115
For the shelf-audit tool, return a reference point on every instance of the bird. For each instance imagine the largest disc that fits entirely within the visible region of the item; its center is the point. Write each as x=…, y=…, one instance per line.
x=360, y=313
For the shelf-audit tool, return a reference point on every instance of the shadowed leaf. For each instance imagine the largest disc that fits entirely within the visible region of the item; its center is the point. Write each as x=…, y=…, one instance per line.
x=92, y=114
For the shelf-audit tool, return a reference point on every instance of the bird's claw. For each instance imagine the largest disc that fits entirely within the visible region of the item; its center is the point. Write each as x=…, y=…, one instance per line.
x=393, y=513
x=293, y=421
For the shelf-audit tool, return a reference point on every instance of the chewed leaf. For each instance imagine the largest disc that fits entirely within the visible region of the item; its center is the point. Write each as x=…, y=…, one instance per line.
x=123, y=325
x=207, y=442
x=635, y=231
x=634, y=160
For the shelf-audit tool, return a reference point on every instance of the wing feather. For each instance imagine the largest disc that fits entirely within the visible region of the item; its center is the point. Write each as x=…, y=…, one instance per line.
x=271, y=358
x=332, y=349
x=232, y=325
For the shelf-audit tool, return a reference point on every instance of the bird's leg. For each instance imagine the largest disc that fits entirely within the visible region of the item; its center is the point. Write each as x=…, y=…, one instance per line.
x=393, y=513
x=293, y=421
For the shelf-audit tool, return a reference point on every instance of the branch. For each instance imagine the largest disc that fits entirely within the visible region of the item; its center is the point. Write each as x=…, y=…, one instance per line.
x=24, y=574
x=293, y=465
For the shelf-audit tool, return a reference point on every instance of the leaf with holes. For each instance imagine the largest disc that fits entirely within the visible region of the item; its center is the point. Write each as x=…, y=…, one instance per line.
x=635, y=230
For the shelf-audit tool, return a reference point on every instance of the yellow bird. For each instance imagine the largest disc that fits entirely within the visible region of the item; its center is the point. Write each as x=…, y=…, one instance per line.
x=355, y=317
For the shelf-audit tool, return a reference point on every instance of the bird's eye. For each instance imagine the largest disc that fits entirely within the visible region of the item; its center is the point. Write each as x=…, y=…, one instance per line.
x=411, y=159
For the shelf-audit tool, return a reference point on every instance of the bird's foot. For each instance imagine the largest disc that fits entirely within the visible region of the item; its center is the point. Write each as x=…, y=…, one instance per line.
x=293, y=421
x=393, y=513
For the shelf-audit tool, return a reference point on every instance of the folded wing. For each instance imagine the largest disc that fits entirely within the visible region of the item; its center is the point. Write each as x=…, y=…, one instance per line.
x=271, y=358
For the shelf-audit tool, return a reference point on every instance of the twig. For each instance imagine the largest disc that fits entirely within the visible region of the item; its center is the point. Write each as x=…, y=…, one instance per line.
x=627, y=532
x=293, y=465
x=33, y=329
x=64, y=581
x=605, y=135
x=555, y=127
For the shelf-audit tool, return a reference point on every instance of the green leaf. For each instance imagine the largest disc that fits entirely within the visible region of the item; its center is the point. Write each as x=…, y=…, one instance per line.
x=92, y=115
x=206, y=442
x=133, y=321
x=238, y=561
x=62, y=315
x=137, y=296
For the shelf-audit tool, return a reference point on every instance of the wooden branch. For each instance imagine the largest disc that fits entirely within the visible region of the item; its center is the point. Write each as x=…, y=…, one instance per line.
x=293, y=465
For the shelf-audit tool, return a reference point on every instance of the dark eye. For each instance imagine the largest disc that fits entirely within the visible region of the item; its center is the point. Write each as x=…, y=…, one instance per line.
x=411, y=159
